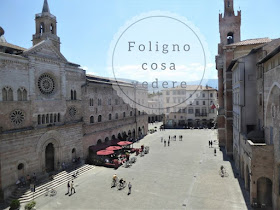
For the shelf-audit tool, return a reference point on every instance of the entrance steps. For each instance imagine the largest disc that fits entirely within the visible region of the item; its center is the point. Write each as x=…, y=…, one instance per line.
x=24, y=195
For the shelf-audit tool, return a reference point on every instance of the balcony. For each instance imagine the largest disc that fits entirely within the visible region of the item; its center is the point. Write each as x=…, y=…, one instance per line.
x=201, y=114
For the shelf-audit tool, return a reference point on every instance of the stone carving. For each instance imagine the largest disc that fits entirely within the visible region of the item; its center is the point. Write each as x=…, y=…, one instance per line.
x=46, y=84
x=17, y=117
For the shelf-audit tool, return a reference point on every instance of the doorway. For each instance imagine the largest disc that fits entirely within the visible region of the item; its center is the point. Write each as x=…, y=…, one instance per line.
x=49, y=157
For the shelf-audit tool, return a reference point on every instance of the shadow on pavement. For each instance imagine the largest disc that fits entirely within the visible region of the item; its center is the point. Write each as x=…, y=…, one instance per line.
x=245, y=193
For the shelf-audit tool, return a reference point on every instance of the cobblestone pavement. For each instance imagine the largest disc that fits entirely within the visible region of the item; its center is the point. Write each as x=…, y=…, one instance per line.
x=184, y=175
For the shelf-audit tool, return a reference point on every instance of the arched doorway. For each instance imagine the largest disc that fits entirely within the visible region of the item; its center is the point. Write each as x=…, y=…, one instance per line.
x=73, y=153
x=133, y=134
x=139, y=132
x=149, y=119
x=21, y=170
x=107, y=140
x=119, y=136
x=129, y=134
x=113, y=137
x=124, y=136
x=264, y=190
x=49, y=154
x=99, y=141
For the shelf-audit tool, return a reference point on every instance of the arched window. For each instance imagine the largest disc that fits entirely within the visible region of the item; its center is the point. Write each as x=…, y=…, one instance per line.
x=43, y=119
x=24, y=95
x=130, y=113
x=116, y=116
x=51, y=118
x=110, y=116
x=47, y=118
x=230, y=39
x=4, y=94
x=39, y=119
x=91, y=119
x=72, y=95
x=42, y=28
x=123, y=114
x=54, y=118
x=58, y=117
x=99, y=118
x=75, y=95
x=52, y=29
x=7, y=94
x=19, y=95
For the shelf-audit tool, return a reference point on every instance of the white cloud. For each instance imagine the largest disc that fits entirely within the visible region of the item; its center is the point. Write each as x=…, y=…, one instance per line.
x=193, y=71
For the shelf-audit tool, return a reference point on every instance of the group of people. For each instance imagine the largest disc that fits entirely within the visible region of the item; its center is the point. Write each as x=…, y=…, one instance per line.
x=210, y=143
x=169, y=138
x=121, y=182
x=22, y=181
x=70, y=188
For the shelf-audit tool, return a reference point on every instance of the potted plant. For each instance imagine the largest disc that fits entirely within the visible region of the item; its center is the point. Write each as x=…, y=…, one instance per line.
x=15, y=204
x=30, y=205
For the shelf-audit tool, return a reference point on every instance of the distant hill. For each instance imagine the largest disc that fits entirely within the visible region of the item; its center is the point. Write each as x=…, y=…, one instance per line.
x=210, y=82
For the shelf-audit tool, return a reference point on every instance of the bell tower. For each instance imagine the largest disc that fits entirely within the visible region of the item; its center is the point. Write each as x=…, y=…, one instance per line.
x=229, y=24
x=46, y=27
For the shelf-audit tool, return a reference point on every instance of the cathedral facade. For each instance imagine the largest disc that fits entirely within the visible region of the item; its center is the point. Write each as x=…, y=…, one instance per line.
x=51, y=111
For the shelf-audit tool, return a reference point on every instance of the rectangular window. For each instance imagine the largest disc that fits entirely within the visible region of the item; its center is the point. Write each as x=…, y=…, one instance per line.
x=167, y=100
x=203, y=102
x=197, y=102
x=190, y=110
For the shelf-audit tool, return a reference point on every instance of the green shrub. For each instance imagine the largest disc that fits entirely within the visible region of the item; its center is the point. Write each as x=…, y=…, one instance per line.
x=30, y=205
x=15, y=204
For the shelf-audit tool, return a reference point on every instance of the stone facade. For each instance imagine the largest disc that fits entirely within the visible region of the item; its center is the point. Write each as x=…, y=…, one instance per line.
x=192, y=106
x=51, y=111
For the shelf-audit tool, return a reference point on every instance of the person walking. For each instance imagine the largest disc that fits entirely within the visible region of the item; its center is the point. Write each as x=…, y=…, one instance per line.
x=72, y=187
x=129, y=188
x=215, y=151
x=165, y=143
x=161, y=139
x=68, y=187
x=168, y=142
x=209, y=143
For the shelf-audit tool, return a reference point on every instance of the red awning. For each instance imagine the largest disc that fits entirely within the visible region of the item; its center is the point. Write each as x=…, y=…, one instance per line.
x=124, y=143
x=112, y=148
x=105, y=152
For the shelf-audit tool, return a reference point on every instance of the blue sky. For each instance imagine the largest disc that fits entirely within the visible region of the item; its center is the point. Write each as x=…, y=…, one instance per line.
x=87, y=27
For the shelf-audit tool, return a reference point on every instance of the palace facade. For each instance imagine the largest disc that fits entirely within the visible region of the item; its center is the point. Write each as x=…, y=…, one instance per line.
x=51, y=111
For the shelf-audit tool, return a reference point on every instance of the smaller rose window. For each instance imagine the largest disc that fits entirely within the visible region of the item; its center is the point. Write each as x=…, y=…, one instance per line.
x=72, y=111
x=17, y=117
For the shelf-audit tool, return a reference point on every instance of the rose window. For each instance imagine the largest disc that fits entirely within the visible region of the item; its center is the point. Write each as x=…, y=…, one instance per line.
x=46, y=84
x=72, y=111
x=17, y=117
